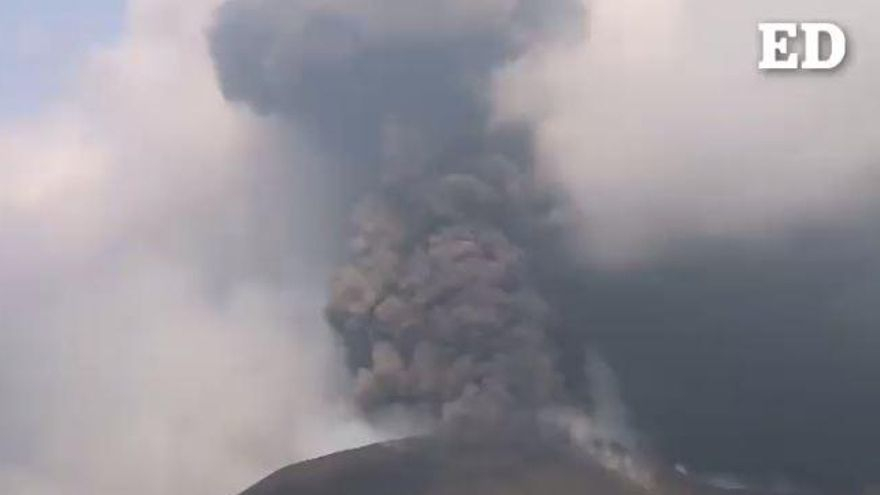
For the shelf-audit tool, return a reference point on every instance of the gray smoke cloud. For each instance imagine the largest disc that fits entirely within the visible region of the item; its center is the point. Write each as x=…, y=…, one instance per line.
x=438, y=301
x=438, y=308
x=384, y=90
x=735, y=314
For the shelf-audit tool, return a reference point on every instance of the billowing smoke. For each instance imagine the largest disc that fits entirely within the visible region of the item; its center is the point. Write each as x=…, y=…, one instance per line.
x=441, y=124
x=437, y=306
x=440, y=302
x=387, y=91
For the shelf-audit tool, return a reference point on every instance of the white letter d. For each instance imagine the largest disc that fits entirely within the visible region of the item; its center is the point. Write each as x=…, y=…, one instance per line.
x=812, y=44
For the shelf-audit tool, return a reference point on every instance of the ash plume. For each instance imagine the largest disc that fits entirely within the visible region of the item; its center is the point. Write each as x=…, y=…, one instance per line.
x=439, y=299
x=437, y=307
x=385, y=90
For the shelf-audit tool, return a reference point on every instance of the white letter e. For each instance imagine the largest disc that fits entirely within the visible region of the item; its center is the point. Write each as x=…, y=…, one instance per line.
x=775, y=45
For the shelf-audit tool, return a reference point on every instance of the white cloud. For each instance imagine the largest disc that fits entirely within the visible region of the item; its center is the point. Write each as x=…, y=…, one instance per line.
x=661, y=126
x=151, y=340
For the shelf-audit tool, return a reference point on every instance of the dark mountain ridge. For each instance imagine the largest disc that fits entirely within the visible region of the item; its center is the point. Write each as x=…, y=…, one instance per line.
x=437, y=467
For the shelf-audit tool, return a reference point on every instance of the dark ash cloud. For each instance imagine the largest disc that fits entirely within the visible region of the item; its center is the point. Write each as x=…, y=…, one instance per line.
x=391, y=86
x=435, y=302
x=751, y=357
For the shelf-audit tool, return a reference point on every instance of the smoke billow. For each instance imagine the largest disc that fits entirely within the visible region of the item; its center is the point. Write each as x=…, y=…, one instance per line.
x=437, y=306
x=384, y=90
x=439, y=303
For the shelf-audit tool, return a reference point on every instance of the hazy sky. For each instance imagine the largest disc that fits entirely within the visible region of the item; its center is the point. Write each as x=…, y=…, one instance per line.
x=42, y=43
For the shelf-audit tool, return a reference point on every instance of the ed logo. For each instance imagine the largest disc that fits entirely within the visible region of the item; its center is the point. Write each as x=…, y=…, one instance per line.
x=777, y=50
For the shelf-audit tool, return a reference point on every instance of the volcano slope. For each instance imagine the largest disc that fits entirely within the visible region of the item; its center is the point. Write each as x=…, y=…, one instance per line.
x=432, y=467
